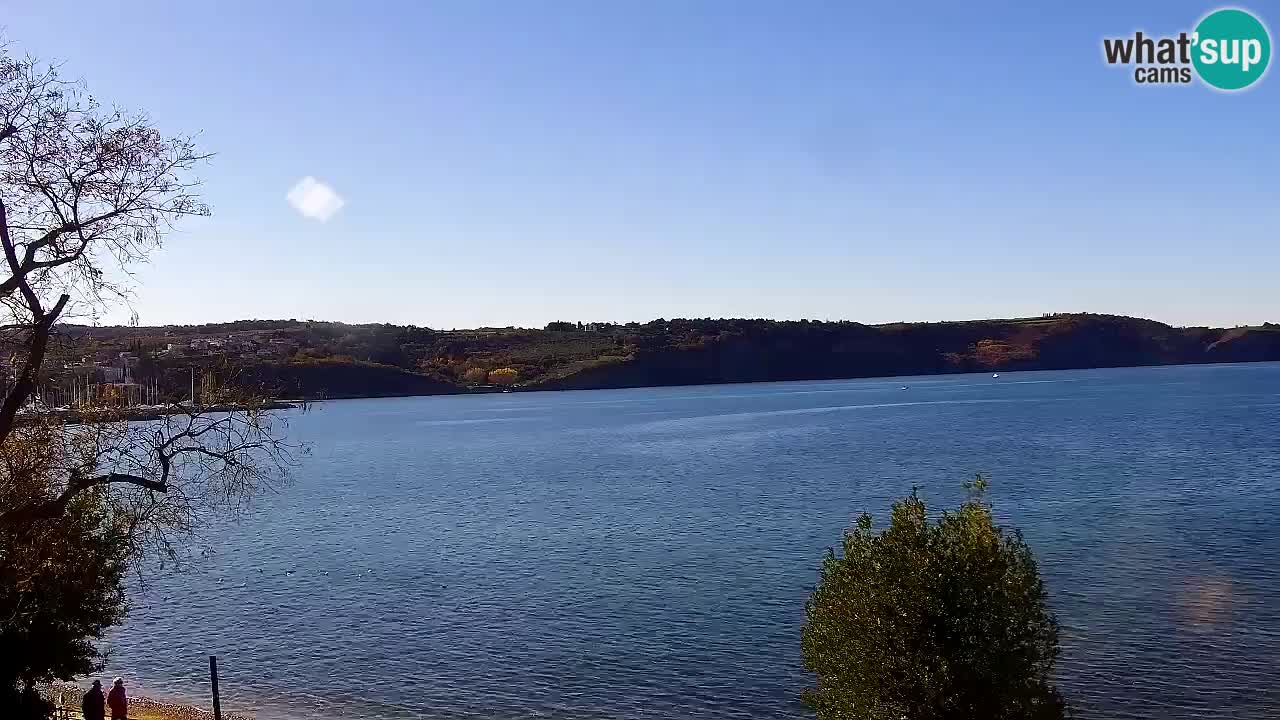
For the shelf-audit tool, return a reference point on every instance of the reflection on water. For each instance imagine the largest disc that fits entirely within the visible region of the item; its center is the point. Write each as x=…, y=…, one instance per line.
x=1205, y=603
x=647, y=553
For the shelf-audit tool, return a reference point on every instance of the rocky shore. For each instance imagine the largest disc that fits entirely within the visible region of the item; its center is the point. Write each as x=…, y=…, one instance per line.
x=140, y=708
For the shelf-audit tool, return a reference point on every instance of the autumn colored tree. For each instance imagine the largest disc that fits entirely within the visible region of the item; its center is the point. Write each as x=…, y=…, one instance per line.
x=476, y=375
x=504, y=376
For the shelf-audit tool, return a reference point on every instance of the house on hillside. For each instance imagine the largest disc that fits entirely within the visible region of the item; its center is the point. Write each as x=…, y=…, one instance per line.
x=110, y=374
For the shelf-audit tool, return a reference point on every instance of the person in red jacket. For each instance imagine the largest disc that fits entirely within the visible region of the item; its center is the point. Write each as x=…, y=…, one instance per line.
x=118, y=703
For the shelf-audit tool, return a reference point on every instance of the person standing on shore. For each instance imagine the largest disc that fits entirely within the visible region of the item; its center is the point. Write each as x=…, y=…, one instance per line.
x=118, y=702
x=94, y=706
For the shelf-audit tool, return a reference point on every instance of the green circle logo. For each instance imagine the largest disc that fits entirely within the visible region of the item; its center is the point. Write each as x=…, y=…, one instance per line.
x=1231, y=49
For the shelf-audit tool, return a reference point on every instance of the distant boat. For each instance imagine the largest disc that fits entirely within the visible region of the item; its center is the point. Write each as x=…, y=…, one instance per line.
x=904, y=387
x=995, y=375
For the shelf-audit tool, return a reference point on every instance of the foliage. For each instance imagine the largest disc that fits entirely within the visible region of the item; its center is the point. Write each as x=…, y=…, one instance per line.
x=990, y=354
x=684, y=351
x=60, y=580
x=86, y=193
x=60, y=588
x=476, y=375
x=503, y=376
x=932, y=620
x=24, y=702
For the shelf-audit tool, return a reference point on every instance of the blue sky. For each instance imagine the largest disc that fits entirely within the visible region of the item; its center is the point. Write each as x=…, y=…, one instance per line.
x=519, y=161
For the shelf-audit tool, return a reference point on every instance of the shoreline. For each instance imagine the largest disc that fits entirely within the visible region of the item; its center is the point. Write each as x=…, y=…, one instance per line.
x=494, y=390
x=155, y=413
x=141, y=707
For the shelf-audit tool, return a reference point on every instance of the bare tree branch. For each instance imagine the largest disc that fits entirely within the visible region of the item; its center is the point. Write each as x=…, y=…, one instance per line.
x=86, y=193
x=53, y=508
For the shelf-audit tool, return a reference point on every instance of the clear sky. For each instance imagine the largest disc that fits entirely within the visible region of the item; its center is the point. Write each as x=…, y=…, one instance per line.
x=511, y=162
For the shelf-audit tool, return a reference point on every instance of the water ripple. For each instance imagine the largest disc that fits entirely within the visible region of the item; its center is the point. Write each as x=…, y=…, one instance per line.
x=647, y=553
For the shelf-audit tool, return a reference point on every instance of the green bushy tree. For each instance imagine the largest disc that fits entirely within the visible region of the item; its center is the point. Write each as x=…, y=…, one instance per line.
x=932, y=620
x=60, y=589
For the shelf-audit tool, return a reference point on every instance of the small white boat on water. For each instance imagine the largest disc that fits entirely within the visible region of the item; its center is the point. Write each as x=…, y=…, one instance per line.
x=995, y=375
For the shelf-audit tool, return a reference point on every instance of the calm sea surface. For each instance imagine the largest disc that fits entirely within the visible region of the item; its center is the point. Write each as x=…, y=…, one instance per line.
x=647, y=553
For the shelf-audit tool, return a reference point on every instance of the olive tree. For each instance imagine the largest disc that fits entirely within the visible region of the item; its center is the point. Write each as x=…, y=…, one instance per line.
x=932, y=619
x=86, y=193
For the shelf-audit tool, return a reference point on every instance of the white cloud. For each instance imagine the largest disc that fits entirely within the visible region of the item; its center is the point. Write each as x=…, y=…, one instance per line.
x=315, y=200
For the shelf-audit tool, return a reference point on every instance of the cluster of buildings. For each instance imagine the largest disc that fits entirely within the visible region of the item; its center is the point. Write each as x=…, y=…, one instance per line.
x=240, y=346
x=118, y=369
x=104, y=382
x=115, y=377
x=122, y=366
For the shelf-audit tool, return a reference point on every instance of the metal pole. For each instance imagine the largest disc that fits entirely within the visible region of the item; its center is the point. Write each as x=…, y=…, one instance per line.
x=213, y=675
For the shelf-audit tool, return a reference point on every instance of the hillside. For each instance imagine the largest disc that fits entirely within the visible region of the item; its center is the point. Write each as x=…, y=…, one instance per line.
x=322, y=359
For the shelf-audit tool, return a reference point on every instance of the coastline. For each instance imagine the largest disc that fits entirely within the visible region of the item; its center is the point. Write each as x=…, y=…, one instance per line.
x=140, y=707
x=157, y=412
x=541, y=388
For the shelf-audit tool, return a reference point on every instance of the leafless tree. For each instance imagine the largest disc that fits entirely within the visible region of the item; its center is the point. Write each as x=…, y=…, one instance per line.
x=86, y=192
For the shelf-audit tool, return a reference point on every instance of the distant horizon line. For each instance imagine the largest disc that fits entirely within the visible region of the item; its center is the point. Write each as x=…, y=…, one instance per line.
x=614, y=323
